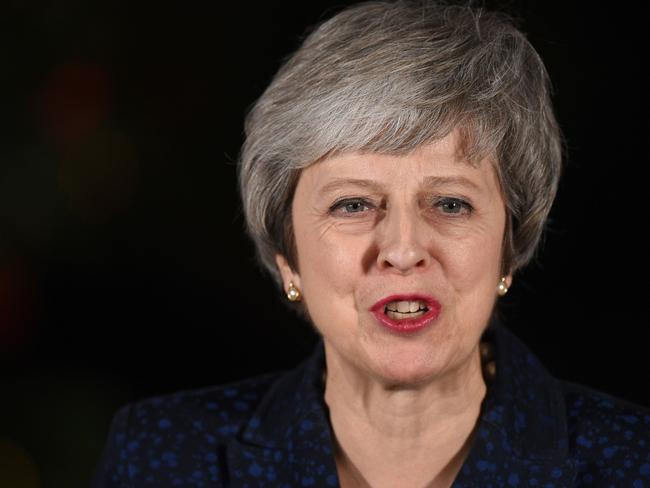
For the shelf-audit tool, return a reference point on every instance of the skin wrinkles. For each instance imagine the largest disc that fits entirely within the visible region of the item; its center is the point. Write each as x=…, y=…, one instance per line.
x=401, y=407
x=428, y=181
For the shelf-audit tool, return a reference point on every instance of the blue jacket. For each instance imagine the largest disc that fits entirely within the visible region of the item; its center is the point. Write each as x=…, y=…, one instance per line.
x=273, y=431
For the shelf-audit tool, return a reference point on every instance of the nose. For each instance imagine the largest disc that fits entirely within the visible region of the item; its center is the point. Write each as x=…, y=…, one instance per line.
x=401, y=242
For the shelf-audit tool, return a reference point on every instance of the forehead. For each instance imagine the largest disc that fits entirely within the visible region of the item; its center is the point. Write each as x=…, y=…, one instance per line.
x=439, y=162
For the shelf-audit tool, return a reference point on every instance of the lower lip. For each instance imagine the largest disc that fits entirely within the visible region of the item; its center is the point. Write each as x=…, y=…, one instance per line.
x=408, y=326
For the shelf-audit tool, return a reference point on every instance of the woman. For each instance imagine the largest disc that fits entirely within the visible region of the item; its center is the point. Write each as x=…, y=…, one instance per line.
x=396, y=174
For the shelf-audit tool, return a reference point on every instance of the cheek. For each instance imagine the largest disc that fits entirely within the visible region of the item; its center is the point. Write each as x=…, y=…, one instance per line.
x=474, y=263
x=328, y=263
x=329, y=274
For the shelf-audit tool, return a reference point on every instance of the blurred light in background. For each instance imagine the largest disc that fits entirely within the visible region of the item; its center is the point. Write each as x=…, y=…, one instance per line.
x=96, y=163
x=17, y=304
x=98, y=175
x=74, y=100
x=17, y=469
x=55, y=425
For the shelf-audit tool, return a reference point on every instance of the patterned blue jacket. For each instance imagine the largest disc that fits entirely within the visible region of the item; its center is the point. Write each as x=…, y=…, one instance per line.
x=273, y=431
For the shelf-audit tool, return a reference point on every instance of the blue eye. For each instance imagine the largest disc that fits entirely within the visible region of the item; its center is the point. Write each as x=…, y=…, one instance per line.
x=448, y=205
x=453, y=205
x=351, y=205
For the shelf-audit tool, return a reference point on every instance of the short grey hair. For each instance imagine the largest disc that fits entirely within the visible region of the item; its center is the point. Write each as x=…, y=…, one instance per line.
x=387, y=77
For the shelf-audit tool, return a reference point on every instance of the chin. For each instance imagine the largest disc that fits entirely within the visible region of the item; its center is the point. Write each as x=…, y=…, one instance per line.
x=403, y=380
x=406, y=372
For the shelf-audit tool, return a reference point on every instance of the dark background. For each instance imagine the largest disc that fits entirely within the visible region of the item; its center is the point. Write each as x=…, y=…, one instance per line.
x=124, y=271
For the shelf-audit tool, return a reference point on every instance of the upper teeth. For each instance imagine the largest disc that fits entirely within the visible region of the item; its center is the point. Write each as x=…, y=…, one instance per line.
x=405, y=306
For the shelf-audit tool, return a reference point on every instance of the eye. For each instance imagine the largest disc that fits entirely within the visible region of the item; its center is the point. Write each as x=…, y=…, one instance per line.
x=351, y=206
x=453, y=206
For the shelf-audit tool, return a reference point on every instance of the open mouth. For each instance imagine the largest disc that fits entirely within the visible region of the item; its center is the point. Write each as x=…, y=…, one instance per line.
x=406, y=312
x=405, y=309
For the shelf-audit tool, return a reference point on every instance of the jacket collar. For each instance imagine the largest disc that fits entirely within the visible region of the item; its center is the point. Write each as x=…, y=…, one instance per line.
x=524, y=403
x=522, y=427
x=522, y=437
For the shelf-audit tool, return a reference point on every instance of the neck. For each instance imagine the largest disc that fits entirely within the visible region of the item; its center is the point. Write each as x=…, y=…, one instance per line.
x=384, y=433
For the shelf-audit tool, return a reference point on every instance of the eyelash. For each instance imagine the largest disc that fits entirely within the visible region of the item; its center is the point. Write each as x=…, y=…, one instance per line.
x=437, y=202
x=465, y=206
x=348, y=201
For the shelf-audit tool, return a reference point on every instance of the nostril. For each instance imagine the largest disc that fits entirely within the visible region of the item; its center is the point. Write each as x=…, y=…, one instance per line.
x=403, y=258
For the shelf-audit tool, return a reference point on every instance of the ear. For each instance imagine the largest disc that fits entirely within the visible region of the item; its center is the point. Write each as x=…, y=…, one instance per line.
x=286, y=272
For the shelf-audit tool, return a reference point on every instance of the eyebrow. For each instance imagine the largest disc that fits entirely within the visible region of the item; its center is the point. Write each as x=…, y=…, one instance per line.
x=338, y=183
x=451, y=180
x=429, y=181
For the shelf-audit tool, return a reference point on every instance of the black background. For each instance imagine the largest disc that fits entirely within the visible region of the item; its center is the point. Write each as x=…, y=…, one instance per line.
x=124, y=270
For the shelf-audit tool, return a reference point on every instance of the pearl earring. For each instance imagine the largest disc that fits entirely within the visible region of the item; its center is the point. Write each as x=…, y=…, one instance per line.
x=293, y=293
x=502, y=289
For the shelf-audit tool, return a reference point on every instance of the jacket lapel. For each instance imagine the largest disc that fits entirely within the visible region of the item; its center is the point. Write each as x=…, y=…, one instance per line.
x=492, y=462
x=522, y=432
x=288, y=440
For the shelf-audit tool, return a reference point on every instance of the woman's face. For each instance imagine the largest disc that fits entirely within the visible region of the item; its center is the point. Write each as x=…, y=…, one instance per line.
x=369, y=227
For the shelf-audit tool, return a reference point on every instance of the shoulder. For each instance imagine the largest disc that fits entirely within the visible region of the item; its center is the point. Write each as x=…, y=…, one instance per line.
x=220, y=409
x=178, y=434
x=609, y=437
